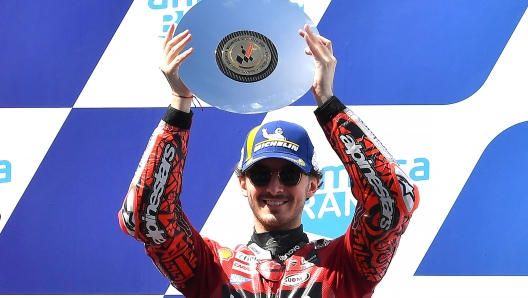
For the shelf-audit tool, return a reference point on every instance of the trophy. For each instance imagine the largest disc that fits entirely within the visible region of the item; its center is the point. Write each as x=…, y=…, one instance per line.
x=248, y=55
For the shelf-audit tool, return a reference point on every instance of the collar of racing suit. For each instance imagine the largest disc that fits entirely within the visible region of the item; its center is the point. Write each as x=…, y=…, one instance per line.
x=281, y=244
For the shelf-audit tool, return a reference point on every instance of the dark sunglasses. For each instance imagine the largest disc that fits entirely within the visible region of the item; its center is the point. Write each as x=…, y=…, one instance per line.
x=261, y=175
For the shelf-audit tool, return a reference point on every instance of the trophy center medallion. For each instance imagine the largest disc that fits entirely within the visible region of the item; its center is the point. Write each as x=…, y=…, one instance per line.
x=246, y=56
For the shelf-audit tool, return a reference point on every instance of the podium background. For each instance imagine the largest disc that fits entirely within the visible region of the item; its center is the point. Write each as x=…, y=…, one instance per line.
x=443, y=84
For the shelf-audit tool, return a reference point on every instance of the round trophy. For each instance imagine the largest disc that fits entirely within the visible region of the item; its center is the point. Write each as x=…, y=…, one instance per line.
x=248, y=55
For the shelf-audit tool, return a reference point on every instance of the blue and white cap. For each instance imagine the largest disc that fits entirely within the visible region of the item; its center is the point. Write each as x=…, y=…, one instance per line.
x=279, y=139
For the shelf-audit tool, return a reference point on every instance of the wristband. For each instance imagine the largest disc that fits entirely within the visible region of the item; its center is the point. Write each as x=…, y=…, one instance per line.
x=177, y=95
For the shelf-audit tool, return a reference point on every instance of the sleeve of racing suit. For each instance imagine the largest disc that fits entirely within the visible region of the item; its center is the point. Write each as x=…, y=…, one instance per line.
x=152, y=211
x=386, y=196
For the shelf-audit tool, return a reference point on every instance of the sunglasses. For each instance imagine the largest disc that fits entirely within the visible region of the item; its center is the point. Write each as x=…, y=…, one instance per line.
x=261, y=175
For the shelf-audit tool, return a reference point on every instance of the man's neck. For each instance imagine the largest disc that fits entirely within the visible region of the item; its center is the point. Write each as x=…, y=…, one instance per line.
x=280, y=242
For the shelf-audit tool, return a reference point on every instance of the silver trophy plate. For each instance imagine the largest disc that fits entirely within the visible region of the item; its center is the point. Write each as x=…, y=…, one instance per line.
x=248, y=55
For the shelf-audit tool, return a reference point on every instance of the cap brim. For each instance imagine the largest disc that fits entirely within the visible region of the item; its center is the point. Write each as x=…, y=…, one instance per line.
x=303, y=165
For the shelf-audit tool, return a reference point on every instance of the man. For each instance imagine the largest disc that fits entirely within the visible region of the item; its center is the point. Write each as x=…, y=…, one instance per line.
x=277, y=173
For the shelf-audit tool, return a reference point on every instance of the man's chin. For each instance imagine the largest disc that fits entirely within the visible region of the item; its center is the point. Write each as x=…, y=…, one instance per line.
x=273, y=222
x=270, y=220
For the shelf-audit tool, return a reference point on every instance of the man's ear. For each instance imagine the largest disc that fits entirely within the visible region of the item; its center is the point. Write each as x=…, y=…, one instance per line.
x=242, y=181
x=313, y=186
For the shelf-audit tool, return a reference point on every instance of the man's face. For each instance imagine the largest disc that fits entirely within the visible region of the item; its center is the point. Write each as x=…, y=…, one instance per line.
x=276, y=206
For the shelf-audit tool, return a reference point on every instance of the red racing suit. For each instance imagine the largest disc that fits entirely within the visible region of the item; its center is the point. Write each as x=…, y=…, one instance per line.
x=349, y=266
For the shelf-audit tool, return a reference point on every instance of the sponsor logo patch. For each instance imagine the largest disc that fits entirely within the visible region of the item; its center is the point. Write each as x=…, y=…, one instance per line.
x=236, y=279
x=296, y=279
x=225, y=254
x=246, y=258
x=356, y=151
x=249, y=269
x=161, y=177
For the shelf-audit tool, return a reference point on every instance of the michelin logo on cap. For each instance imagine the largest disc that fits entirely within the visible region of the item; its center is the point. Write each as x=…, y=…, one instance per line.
x=278, y=139
x=275, y=139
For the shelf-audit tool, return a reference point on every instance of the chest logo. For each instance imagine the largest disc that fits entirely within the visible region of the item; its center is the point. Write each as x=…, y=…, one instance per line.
x=296, y=279
x=236, y=279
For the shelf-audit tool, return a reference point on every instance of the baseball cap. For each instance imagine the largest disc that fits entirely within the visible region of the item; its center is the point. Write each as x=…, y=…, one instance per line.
x=279, y=139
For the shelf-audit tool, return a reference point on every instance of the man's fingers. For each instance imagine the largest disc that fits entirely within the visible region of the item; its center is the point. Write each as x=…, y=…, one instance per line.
x=176, y=43
x=318, y=46
x=168, y=37
x=180, y=58
x=326, y=42
x=173, y=49
x=318, y=39
x=181, y=36
x=314, y=47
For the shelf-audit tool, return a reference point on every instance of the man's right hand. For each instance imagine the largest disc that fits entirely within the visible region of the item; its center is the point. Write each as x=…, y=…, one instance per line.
x=170, y=64
x=320, y=48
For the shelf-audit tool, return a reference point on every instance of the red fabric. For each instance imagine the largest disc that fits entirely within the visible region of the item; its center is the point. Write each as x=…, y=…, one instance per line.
x=349, y=266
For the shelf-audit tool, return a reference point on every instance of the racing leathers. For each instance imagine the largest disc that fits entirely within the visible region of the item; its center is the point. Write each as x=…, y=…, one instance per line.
x=273, y=264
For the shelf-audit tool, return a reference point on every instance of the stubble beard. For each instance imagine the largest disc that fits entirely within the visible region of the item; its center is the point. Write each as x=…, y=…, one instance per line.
x=274, y=220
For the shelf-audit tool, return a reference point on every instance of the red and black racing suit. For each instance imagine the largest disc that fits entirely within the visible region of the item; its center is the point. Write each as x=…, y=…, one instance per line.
x=347, y=267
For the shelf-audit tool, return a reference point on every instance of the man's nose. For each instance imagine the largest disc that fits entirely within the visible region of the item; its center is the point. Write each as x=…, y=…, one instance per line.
x=275, y=186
